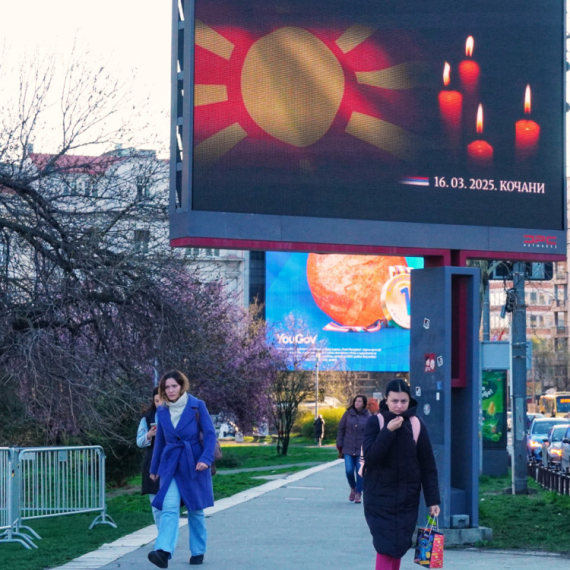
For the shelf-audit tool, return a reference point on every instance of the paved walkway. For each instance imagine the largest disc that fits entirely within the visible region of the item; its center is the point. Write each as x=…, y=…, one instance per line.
x=301, y=522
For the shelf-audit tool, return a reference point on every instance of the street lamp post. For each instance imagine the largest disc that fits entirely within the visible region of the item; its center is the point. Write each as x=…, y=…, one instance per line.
x=317, y=357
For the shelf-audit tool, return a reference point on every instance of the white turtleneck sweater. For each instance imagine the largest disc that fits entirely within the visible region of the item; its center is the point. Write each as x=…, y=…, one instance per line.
x=176, y=408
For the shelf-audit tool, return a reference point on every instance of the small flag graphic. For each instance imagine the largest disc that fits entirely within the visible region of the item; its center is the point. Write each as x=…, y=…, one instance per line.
x=415, y=181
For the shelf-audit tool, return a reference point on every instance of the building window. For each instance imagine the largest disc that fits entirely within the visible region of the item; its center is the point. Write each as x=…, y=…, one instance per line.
x=142, y=240
x=533, y=321
x=142, y=184
x=533, y=297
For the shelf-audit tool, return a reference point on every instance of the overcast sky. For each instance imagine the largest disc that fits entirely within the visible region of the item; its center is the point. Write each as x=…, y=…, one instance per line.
x=132, y=36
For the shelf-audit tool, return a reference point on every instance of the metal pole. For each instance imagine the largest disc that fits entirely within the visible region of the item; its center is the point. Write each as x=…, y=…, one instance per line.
x=486, y=313
x=518, y=382
x=317, y=389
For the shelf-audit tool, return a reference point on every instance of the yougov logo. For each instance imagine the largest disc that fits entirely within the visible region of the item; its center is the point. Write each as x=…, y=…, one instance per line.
x=296, y=339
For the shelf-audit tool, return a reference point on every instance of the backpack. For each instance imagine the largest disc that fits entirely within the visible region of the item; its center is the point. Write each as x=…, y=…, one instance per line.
x=416, y=427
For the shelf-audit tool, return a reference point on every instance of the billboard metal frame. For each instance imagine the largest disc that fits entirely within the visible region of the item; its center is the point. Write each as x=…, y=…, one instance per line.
x=443, y=242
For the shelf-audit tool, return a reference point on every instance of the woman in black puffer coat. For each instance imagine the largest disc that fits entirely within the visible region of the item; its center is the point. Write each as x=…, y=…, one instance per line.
x=396, y=469
x=145, y=438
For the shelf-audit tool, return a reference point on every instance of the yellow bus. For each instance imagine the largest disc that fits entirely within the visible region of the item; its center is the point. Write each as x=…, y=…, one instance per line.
x=555, y=405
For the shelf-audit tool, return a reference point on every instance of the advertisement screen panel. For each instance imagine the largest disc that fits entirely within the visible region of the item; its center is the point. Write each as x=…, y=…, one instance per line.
x=445, y=113
x=494, y=408
x=354, y=307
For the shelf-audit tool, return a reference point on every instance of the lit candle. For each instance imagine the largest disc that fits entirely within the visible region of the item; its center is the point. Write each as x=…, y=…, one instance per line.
x=450, y=104
x=469, y=69
x=480, y=152
x=527, y=133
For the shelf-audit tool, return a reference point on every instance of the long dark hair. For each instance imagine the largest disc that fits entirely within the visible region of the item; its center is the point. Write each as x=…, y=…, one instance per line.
x=398, y=385
x=364, y=401
x=152, y=408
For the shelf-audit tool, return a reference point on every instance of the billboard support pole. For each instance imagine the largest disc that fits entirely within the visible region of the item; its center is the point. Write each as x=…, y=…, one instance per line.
x=518, y=381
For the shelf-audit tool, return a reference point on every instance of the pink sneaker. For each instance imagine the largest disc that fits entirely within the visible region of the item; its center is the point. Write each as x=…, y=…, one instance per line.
x=352, y=494
x=358, y=497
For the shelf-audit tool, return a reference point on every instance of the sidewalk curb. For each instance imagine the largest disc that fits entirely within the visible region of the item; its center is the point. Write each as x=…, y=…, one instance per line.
x=108, y=553
x=525, y=553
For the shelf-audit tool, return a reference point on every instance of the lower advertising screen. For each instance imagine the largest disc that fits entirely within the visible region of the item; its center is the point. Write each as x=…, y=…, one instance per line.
x=354, y=308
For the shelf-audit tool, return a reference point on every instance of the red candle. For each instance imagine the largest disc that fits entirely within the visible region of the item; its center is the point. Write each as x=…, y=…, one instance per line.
x=450, y=106
x=527, y=133
x=469, y=70
x=480, y=152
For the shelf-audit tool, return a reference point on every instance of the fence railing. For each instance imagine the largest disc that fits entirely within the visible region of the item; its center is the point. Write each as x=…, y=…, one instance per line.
x=42, y=482
x=4, y=488
x=551, y=479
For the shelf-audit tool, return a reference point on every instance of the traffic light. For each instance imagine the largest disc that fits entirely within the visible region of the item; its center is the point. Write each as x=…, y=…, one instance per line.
x=511, y=301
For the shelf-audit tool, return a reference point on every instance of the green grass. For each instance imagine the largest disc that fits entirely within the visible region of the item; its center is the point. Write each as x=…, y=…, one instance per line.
x=66, y=538
x=531, y=522
x=238, y=455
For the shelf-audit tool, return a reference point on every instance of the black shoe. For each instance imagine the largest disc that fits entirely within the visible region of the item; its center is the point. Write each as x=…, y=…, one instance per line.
x=159, y=558
x=197, y=559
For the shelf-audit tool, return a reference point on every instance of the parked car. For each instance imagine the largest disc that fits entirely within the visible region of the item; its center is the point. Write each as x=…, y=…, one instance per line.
x=552, y=445
x=565, y=449
x=530, y=416
x=537, y=433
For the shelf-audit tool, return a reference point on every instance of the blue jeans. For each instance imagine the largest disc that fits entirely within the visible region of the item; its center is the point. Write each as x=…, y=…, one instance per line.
x=155, y=512
x=351, y=466
x=168, y=529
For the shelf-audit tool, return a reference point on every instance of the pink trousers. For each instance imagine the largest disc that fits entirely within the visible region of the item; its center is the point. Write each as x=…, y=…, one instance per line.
x=385, y=562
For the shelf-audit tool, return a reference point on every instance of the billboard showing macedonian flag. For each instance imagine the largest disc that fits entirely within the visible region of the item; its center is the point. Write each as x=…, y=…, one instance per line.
x=441, y=112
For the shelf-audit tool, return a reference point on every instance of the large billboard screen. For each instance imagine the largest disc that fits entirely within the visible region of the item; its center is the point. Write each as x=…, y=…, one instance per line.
x=411, y=124
x=354, y=308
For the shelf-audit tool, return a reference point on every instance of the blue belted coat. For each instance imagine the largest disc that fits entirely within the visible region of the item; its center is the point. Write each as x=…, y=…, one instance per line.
x=178, y=450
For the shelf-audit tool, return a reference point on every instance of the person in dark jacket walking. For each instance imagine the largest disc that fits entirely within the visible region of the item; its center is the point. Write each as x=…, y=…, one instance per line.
x=182, y=457
x=396, y=468
x=349, y=442
x=145, y=439
x=319, y=426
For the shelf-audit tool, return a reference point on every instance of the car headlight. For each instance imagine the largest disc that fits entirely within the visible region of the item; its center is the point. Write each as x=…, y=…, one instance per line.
x=556, y=452
x=535, y=443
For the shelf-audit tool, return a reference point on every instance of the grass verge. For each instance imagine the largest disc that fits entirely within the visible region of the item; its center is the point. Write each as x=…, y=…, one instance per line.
x=528, y=522
x=66, y=538
x=240, y=455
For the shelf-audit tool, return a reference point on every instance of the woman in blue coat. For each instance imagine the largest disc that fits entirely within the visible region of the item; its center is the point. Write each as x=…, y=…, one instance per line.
x=183, y=453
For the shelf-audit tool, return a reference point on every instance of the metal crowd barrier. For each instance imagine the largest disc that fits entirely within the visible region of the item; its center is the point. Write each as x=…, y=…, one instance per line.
x=42, y=482
x=5, y=510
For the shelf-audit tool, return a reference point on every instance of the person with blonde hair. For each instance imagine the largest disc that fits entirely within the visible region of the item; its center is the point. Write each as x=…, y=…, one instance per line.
x=183, y=454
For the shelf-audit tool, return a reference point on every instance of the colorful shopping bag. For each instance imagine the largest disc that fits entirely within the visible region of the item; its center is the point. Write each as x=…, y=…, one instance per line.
x=429, y=546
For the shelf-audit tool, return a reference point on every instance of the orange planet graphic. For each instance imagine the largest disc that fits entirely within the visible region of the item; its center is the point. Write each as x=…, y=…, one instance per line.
x=348, y=288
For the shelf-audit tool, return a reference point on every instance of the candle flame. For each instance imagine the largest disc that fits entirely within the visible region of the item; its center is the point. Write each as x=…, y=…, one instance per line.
x=480, y=118
x=527, y=100
x=446, y=74
x=469, y=45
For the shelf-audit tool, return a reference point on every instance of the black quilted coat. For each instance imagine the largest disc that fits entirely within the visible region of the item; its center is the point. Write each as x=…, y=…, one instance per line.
x=149, y=487
x=396, y=468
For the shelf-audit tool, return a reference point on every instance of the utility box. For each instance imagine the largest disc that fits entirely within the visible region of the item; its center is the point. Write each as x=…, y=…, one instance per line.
x=444, y=374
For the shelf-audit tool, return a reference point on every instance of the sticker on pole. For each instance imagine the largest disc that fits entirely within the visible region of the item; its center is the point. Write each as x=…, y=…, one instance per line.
x=429, y=360
x=427, y=409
